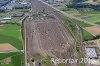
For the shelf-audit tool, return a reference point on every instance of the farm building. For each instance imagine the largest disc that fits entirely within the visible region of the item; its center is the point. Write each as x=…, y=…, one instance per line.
x=4, y=20
x=18, y=15
x=91, y=53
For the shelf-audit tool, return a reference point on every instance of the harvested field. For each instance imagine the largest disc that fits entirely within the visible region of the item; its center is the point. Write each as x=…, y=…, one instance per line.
x=93, y=30
x=4, y=47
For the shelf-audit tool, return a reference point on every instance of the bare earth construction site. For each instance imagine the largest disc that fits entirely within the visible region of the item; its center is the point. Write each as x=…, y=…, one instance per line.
x=47, y=37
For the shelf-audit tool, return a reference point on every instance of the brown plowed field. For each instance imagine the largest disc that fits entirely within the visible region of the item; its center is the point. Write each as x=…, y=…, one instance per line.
x=7, y=47
x=93, y=30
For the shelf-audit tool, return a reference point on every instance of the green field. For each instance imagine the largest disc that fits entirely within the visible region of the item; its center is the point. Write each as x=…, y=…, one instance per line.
x=10, y=54
x=86, y=35
x=95, y=16
x=16, y=58
x=11, y=33
x=7, y=65
x=20, y=10
x=15, y=20
x=2, y=14
x=71, y=23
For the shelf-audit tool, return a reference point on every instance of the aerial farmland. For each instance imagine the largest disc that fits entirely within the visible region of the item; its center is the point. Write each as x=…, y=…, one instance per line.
x=49, y=33
x=11, y=40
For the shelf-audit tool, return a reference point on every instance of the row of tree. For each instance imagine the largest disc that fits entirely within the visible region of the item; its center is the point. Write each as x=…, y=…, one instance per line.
x=80, y=5
x=78, y=1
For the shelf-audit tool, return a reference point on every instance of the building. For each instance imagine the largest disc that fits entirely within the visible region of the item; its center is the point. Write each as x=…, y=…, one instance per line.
x=3, y=9
x=4, y=20
x=13, y=4
x=18, y=15
x=4, y=2
x=7, y=7
x=25, y=5
x=91, y=53
x=55, y=1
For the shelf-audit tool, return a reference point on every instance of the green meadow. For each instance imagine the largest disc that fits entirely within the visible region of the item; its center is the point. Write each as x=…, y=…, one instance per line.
x=11, y=33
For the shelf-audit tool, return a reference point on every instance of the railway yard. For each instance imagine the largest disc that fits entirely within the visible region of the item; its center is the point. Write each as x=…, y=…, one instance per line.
x=49, y=33
x=46, y=36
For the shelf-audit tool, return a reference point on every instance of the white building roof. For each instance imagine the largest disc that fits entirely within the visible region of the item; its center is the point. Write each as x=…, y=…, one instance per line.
x=91, y=52
x=7, y=18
